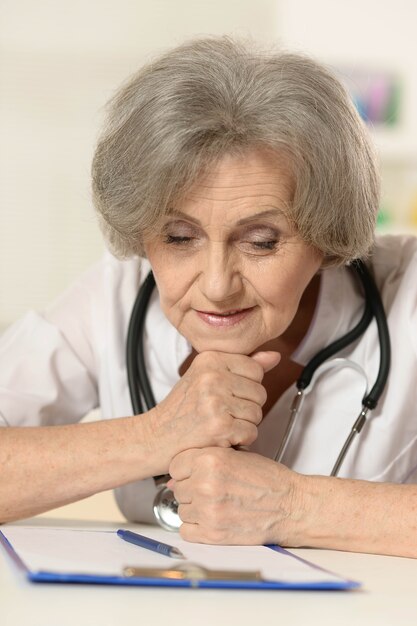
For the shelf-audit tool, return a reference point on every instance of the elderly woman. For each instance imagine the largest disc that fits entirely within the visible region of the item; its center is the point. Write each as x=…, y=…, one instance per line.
x=247, y=183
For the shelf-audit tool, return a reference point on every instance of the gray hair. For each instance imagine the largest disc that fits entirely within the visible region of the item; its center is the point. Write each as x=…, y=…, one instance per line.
x=209, y=97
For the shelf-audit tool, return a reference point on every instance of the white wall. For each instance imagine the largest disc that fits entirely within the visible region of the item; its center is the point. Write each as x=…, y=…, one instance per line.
x=60, y=62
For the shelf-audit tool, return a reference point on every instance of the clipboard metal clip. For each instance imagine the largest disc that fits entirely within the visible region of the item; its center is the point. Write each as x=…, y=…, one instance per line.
x=191, y=571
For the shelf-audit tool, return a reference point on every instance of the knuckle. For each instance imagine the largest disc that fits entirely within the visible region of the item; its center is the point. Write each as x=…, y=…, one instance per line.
x=183, y=512
x=187, y=532
x=209, y=377
x=208, y=489
x=178, y=493
x=214, y=404
x=253, y=435
x=262, y=395
x=211, y=461
x=258, y=371
x=180, y=511
x=208, y=358
x=219, y=423
x=250, y=435
x=257, y=414
x=209, y=381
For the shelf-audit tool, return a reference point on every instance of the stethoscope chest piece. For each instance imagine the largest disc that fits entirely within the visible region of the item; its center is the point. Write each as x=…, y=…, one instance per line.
x=165, y=508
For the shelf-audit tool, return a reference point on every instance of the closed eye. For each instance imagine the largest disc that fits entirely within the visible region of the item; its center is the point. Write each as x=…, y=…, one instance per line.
x=264, y=245
x=178, y=240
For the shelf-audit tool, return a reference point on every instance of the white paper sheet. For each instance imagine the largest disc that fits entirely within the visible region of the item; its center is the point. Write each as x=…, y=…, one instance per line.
x=78, y=551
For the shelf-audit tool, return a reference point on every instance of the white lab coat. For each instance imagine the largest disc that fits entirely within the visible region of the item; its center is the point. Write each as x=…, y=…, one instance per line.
x=57, y=366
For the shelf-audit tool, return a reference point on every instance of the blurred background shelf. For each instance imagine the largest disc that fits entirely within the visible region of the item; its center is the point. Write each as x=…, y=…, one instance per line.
x=396, y=147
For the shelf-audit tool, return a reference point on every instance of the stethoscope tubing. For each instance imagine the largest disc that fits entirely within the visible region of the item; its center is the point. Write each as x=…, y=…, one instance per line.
x=135, y=358
x=373, y=309
x=371, y=400
x=139, y=384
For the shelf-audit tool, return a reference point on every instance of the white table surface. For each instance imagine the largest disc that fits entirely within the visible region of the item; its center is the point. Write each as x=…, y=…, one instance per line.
x=388, y=597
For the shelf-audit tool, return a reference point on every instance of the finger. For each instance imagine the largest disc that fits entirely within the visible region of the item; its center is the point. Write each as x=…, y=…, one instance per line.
x=244, y=433
x=182, y=491
x=233, y=432
x=181, y=465
x=246, y=410
x=267, y=359
x=187, y=513
x=239, y=364
x=190, y=532
x=246, y=389
x=196, y=533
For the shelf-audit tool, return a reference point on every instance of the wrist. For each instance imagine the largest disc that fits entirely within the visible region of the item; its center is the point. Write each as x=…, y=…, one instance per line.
x=287, y=514
x=300, y=501
x=314, y=493
x=305, y=511
x=151, y=442
x=333, y=512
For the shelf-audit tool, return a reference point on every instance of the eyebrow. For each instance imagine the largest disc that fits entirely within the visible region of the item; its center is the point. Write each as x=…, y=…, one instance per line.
x=251, y=218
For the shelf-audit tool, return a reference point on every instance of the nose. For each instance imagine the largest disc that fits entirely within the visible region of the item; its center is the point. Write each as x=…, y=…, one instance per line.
x=220, y=278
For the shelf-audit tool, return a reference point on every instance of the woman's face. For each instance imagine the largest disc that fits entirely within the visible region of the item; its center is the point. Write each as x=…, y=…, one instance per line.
x=229, y=268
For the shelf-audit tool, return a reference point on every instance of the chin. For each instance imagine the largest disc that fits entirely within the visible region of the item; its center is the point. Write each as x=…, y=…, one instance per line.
x=224, y=345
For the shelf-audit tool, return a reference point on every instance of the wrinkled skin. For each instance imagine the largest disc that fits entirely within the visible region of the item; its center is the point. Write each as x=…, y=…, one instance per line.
x=229, y=496
x=229, y=246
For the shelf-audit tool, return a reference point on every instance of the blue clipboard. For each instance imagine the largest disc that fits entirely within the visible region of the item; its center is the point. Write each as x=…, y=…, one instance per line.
x=46, y=576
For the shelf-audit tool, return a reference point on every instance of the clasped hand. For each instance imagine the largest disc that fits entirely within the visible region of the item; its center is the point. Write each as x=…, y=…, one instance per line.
x=225, y=495
x=229, y=496
x=217, y=402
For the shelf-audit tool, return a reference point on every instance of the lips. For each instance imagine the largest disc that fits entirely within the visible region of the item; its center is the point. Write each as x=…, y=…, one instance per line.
x=224, y=319
x=223, y=313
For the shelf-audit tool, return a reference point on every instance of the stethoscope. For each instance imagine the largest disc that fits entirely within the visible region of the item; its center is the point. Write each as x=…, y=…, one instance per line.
x=165, y=507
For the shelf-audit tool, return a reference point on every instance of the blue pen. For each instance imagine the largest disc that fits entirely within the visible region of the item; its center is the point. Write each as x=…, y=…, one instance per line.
x=150, y=544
